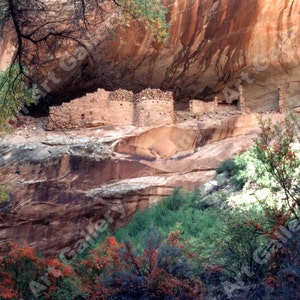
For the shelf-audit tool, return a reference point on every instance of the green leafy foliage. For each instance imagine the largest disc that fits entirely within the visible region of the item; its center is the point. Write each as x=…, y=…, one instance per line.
x=150, y=13
x=14, y=94
x=250, y=170
x=228, y=166
x=244, y=234
x=220, y=243
x=200, y=229
x=273, y=163
x=67, y=288
x=275, y=150
x=233, y=169
x=178, y=199
x=4, y=193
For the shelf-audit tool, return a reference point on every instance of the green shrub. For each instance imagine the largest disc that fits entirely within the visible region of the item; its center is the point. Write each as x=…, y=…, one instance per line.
x=251, y=170
x=4, y=193
x=67, y=289
x=14, y=94
x=246, y=168
x=242, y=238
x=200, y=229
x=234, y=168
x=275, y=149
x=227, y=166
x=175, y=201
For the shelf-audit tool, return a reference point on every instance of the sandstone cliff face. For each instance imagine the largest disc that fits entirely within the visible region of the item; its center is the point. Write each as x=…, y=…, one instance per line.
x=213, y=47
x=7, y=47
x=64, y=183
x=218, y=44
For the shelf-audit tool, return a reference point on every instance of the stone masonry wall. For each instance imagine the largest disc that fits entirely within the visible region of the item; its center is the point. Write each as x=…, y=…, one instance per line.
x=225, y=107
x=121, y=107
x=154, y=107
x=87, y=111
x=200, y=107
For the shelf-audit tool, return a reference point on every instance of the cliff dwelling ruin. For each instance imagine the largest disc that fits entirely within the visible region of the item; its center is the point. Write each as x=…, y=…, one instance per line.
x=120, y=107
x=123, y=107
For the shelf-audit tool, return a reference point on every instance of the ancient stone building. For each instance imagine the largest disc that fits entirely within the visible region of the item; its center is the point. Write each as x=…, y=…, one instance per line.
x=225, y=107
x=121, y=107
x=154, y=107
x=88, y=111
x=200, y=107
x=242, y=106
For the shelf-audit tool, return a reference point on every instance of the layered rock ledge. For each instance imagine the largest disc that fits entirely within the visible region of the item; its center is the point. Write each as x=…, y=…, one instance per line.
x=63, y=182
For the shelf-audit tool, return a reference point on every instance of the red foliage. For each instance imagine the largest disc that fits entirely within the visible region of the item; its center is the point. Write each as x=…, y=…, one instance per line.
x=7, y=287
x=113, y=263
x=282, y=269
x=22, y=262
x=103, y=273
